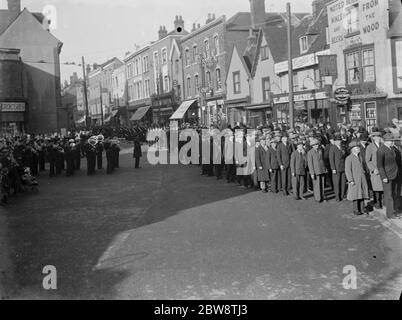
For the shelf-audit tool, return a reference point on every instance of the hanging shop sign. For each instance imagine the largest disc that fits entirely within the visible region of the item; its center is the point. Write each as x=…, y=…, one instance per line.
x=342, y=95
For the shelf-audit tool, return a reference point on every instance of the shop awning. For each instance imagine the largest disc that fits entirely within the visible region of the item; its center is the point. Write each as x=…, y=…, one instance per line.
x=181, y=111
x=81, y=120
x=260, y=107
x=140, y=113
x=111, y=116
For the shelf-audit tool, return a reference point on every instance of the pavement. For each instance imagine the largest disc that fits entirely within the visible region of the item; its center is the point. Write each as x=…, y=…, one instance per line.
x=165, y=232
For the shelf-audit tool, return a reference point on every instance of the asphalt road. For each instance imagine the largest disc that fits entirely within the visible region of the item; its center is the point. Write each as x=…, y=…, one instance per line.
x=165, y=232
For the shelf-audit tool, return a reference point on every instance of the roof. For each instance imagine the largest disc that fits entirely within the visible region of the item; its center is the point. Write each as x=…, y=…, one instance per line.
x=276, y=37
x=308, y=26
x=243, y=19
x=5, y=17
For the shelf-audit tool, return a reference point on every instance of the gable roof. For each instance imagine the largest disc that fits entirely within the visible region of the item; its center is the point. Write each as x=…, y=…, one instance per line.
x=26, y=14
x=5, y=19
x=241, y=57
x=277, y=37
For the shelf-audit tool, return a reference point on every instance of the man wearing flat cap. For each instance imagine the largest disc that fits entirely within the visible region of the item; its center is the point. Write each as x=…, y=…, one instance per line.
x=389, y=167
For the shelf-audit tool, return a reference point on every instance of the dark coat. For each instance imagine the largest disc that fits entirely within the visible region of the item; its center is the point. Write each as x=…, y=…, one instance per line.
x=284, y=154
x=337, y=159
x=298, y=163
x=387, y=163
x=137, y=149
x=371, y=163
x=315, y=160
x=261, y=160
x=272, y=157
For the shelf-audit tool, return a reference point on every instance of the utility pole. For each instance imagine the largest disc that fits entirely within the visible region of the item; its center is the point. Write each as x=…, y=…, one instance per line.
x=290, y=67
x=87, y=124
x=101, y=101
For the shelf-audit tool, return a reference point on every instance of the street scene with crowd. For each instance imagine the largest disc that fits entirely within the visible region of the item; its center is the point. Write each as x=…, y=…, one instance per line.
x=257, y=156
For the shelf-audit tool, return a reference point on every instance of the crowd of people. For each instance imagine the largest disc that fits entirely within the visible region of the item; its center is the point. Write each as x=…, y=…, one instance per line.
x=23, y=158
x=354, y=164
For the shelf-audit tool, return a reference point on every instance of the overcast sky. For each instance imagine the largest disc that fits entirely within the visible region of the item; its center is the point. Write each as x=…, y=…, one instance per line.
x=101, y=29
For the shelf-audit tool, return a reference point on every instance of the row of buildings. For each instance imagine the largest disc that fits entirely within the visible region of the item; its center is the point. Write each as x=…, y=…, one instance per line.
x=30, y=99
x=347, y=68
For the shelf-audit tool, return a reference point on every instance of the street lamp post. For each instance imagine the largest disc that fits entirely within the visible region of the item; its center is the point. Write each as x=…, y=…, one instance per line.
x=290, y=66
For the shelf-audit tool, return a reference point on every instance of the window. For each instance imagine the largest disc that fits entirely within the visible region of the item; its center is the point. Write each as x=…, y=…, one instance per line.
x=187, y=57
x=398, y=64
x=352, y=19
x=303, y=45
x=195, y=53
x=164, y=56
x=218, y=79
x=146, y=64
x=216, y=41
x=266, y=88
x=188, y=86
x=146, y=88
x=368, y=65
x=236, y=82
x=371, y=115
x=264, y=53
x=197, y=89
x=166, y=83
x=156, y=60
x=353, y=67
x=209, y=79
x=206, y=43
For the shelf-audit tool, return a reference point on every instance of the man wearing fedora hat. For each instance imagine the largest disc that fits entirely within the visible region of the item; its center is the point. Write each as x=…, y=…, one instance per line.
x=371, y=163
x=284, y=153
x=358, y=187
x=389, y=167
x=337, y=157
x=316, y=165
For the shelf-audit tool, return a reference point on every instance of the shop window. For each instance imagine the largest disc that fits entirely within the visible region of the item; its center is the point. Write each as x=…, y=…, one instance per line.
x=216, y=40
x=187, y=57
x=353, y=67
x=352, y=19
x=209, y=79
x=368, y=65
x=236, y=82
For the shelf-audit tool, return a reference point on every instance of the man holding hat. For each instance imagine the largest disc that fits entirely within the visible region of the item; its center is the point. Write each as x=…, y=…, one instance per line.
x=358, y=187
x=389, y=167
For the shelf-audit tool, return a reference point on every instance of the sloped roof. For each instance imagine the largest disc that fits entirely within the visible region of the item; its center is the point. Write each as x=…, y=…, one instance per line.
x=277, y=37
x=5, y=17
x=176, y=33
x=243, y=19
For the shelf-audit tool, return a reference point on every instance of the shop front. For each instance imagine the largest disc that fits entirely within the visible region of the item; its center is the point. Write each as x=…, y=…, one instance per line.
x=12, y=118
x=309, y=107
x=259, y=115
x=187, y=112
x=163, y=107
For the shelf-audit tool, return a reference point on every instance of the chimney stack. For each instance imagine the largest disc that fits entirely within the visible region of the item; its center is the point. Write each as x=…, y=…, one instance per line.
x=162, y=33
x=258, y=15
x=194, y=27
x=199, y=26
x=318, y=5
x=14, y=8
x=179, y=23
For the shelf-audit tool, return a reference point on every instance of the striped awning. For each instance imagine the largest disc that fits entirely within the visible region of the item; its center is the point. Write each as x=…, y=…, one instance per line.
x=140, y=113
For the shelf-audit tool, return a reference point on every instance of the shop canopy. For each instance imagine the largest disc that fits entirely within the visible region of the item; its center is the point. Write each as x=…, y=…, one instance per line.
x=81, y=120
x=140, y=113
x=181, y=111
x=112, y=115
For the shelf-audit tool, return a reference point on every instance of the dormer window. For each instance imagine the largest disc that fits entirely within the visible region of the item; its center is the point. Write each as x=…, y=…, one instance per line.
x=303, y=44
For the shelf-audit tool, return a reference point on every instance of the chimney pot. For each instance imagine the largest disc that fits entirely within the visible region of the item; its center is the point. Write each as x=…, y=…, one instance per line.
x=14, y=8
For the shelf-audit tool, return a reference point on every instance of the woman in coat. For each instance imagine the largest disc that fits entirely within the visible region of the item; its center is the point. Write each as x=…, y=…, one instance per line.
x=261, y=163
x=358, y=187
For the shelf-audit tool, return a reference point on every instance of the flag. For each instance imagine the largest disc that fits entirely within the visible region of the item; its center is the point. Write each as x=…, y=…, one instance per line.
x=328, y=65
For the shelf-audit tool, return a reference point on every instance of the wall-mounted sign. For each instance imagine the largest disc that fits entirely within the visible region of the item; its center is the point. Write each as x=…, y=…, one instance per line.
x=302, y=97
x=12, y=106
x=301, y=62
x=342, y=95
